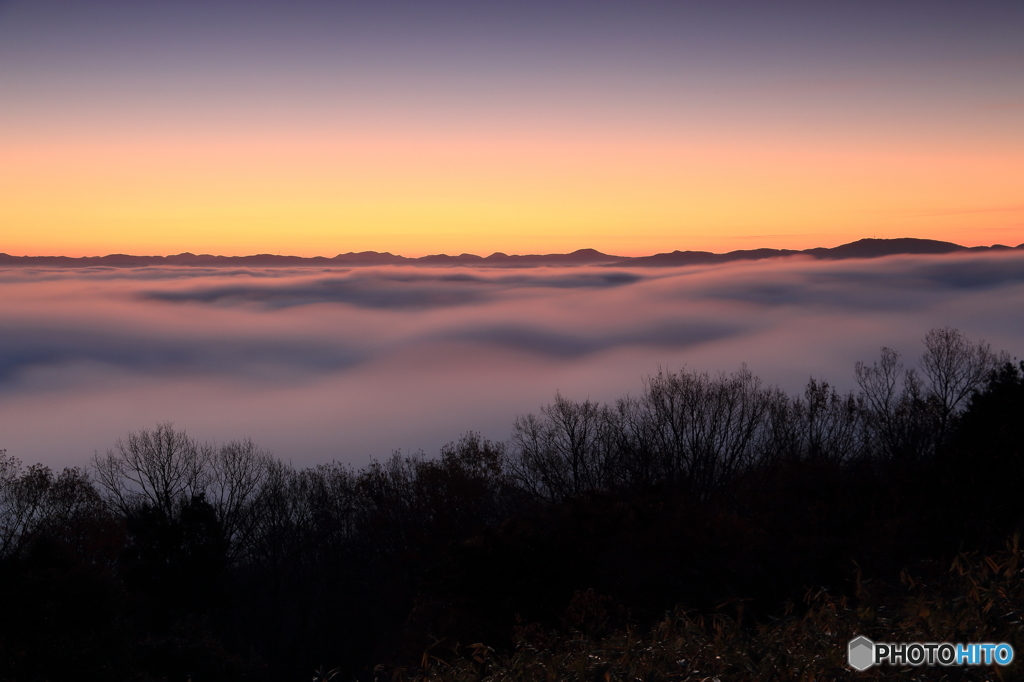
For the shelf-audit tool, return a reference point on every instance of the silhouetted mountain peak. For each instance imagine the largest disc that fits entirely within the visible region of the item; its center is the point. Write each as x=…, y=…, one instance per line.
x=862, y=248
x=874, y=248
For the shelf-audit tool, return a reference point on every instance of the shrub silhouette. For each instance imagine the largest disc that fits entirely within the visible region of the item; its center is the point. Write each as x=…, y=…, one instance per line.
x=765, y=525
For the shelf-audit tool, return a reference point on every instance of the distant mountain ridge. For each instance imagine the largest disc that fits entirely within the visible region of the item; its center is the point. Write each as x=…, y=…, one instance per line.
x=863, y=248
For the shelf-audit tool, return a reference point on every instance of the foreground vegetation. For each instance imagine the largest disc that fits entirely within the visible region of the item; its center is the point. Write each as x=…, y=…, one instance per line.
x=710, y=526
x=975, y=598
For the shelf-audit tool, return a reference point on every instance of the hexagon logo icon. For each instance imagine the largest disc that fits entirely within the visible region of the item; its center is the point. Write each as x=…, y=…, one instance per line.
x=861, y=653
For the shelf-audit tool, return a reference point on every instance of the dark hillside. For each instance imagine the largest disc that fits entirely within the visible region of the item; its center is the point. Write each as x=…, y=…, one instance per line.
x=766, y=527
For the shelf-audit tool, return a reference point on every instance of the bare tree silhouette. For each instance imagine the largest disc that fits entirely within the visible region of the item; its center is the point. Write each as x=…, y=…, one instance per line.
x=955, y=367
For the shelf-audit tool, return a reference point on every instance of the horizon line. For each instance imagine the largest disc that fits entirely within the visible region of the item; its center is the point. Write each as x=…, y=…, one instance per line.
x=586, y=252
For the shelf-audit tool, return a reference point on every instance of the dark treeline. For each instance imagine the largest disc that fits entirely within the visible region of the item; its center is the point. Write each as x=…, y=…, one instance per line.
x=170, y=558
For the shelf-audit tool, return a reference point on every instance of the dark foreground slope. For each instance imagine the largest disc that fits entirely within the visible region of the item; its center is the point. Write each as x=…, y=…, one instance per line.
x=710, y=526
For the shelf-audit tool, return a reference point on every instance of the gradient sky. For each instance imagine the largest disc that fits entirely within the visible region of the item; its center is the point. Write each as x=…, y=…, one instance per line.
x=315, y=128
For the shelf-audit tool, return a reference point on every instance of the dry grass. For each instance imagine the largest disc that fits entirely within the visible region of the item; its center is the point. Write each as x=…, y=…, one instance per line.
x=975, y=598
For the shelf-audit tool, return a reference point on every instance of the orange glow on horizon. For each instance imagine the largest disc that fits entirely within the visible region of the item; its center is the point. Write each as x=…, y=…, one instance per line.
x=415, y=193
x=324, y=128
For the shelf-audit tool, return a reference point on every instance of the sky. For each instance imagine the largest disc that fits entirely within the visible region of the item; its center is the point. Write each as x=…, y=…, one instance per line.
x=313, y=128
x=320, y=364
x=316, y=128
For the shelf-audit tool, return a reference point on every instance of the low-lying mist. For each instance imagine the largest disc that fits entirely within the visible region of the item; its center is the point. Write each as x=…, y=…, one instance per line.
x=320, y=364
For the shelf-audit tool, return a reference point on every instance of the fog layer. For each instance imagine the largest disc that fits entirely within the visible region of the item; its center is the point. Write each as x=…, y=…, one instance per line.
x=351, y=363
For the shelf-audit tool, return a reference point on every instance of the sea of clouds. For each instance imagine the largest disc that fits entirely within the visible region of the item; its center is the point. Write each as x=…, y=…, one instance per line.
x=320, y=364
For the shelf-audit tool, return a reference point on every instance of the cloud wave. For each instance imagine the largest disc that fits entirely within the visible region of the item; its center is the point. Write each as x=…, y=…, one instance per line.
x=394, y=290
x=342, y=363
x=564, y=344
x=28, y=345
